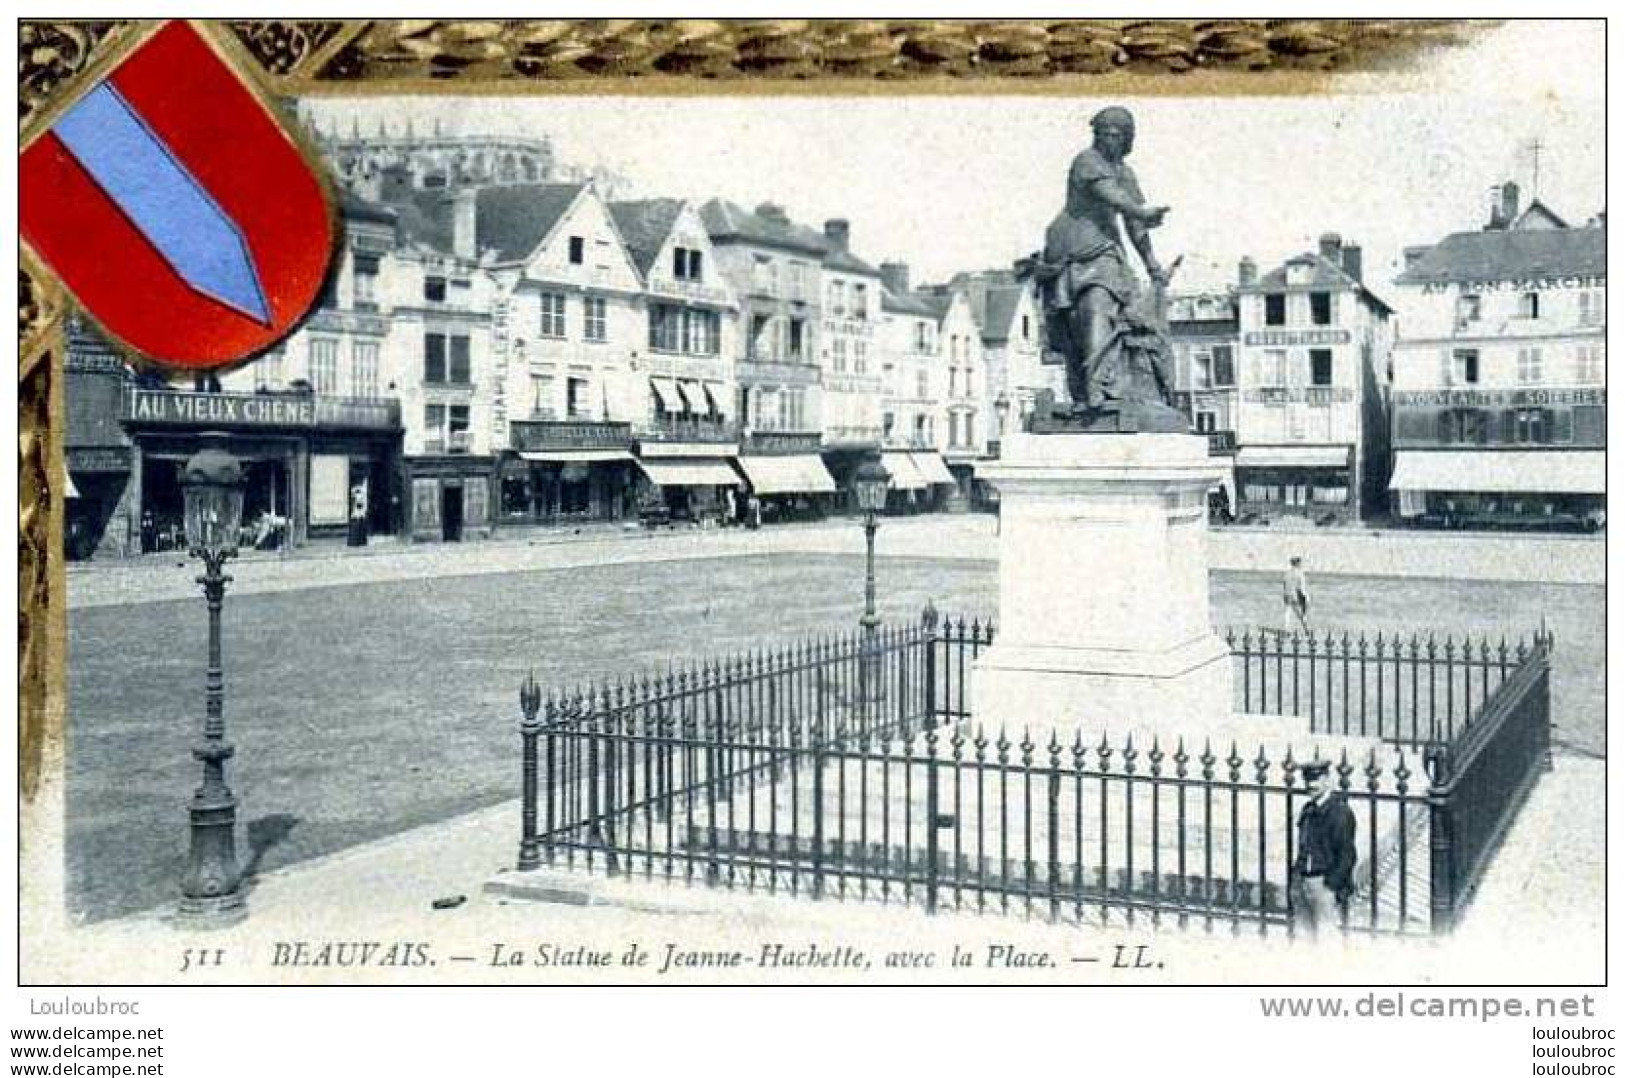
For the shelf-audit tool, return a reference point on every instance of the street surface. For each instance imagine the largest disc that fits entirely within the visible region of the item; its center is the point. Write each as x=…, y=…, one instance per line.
x=382, y=701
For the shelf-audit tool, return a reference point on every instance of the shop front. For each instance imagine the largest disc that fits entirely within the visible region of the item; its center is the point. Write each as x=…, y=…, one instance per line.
x=311, y=464
x=563, y=472
x=1316, y=482
x=100, y=478
x=1534, y=489
x=689, y=482
x=786, y=476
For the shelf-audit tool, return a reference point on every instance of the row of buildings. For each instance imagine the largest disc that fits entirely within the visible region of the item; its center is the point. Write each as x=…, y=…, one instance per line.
x=499, y=347
x=1476, y=396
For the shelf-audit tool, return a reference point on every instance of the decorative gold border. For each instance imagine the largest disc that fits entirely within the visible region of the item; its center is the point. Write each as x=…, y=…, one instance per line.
x=293, y=57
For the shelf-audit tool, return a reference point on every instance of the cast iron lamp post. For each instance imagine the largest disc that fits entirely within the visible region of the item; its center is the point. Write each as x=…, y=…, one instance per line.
x=211, y=888
x=869, y=485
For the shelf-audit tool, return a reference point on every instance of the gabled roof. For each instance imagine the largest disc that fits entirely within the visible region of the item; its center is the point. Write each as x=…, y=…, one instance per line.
x=1325, y=276
x=513, y=220
x=1539, y=215
x=1512, y=255
x=644, y=226
x=726, y=220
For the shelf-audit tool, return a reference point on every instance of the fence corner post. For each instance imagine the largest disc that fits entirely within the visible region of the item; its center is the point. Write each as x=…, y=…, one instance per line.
x=530, y=702
x=1441, y=843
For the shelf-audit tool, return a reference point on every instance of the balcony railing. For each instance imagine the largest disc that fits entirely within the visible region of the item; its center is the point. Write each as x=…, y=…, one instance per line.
x=679, y=429
x=531, y=434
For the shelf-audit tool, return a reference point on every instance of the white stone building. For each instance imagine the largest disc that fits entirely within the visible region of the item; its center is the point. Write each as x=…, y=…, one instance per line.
x=1500, y=373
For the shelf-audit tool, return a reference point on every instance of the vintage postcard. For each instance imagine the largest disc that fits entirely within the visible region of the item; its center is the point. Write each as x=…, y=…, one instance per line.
x=670, y=502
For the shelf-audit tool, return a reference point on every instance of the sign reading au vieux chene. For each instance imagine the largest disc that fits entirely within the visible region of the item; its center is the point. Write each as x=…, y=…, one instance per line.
x=254, y=410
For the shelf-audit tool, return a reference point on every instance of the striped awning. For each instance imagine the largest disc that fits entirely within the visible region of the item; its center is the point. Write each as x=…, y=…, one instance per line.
x=665, y=391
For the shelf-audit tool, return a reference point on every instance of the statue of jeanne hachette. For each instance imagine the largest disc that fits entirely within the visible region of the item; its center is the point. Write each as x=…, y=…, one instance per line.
x=1118, y=360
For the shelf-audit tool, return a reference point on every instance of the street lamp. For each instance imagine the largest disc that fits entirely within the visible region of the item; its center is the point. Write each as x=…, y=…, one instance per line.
x=869, y=485
x=212, y=484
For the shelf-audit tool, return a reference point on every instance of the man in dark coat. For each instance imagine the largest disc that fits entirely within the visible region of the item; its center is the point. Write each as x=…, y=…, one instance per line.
x=1323, y=871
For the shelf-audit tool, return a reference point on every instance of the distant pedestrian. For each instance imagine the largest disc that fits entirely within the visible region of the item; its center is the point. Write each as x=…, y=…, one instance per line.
x=753, y=511
x=1323, y=870
x=1295, y=595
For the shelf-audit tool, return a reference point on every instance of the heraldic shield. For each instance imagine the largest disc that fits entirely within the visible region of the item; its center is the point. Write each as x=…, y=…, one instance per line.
x=172, y=203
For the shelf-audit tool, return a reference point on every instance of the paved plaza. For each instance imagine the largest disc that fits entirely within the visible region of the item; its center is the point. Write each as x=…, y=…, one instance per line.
x=370, y=694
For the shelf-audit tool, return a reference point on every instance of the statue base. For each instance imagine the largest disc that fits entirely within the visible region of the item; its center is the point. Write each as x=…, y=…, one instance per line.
x=1103, y=590
x=1113, y=417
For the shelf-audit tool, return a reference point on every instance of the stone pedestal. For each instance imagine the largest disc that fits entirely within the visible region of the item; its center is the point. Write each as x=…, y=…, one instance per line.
x=1103, y=590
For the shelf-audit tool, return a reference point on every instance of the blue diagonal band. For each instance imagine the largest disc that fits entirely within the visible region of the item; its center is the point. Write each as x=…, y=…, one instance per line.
x=161, y=198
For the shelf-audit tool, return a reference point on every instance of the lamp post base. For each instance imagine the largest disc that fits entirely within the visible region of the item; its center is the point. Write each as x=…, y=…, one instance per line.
x=211, y=912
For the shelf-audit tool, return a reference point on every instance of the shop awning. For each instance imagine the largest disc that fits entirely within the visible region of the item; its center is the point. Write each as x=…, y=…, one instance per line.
x=665, y=391
x=719, y=399
x=931, y=466
x=576, y=456
x=693, y=397
x=1293, y=456
x=689, y=473
x=904, y=475
x=1490, y=471
x=803, y=474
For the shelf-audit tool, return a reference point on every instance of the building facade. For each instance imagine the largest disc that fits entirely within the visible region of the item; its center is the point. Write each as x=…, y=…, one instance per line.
x=687, y=434
x=774, y=267
x=1311, y=416
x=849, y=355
x=1500, y=375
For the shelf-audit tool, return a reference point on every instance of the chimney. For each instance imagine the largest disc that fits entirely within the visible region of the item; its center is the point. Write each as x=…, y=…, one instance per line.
x=1331, y=248
x=1509, y=202
x=463, y=221
x=394, y=184
x=1353, y=262
x=1246, y=273
x=838, y=230
x=895, y=275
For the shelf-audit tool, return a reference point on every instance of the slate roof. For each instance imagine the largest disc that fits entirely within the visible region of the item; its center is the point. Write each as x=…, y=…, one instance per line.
x=513, y=220
x=644, y=226
x=1327, y=276
x=726, y=220
x=1512, y=255
x=847, y=262
x=907, y=303
x=998, y=312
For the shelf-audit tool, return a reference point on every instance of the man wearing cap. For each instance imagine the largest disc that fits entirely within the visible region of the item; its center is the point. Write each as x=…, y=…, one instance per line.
x=1323, y=871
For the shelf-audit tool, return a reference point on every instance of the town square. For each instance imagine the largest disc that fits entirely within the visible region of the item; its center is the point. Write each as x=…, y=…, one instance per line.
x=692, y=538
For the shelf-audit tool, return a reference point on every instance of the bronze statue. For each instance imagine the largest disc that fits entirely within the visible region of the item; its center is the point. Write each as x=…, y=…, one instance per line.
x=1095, y=315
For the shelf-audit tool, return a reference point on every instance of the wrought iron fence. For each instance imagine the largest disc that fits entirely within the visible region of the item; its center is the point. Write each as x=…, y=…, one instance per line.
x=1418, y=691
x=845, y=767
x=1482, y=779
